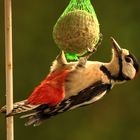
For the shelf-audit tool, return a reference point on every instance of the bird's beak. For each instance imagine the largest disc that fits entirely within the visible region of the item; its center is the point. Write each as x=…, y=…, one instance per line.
x=116, y=46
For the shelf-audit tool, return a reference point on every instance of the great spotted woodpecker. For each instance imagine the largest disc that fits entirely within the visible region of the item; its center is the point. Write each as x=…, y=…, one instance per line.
x=74, y=84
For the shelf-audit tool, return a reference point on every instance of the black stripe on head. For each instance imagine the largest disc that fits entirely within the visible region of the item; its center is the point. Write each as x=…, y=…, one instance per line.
x=136, y=64
x=120, y=76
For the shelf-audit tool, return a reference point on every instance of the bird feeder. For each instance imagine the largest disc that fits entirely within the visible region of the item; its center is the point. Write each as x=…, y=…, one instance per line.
x=77, y=30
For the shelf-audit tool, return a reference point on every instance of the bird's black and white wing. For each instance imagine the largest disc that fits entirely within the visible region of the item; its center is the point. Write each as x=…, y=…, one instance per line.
x=87, y=96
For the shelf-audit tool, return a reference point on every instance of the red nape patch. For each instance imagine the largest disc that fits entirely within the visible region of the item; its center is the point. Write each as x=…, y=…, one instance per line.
x=136, y=74
x=51, y=90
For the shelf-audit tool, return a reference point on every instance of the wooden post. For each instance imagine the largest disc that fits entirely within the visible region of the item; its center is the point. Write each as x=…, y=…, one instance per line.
x=9, y=67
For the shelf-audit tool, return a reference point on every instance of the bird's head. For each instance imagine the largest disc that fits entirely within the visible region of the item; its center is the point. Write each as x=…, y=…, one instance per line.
x=127, y=64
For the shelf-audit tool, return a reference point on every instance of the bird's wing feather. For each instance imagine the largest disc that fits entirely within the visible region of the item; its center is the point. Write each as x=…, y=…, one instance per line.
x=86, y=96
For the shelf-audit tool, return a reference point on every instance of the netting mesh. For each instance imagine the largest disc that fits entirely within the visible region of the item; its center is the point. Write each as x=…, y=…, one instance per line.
x=80, y=5
x=86, y=25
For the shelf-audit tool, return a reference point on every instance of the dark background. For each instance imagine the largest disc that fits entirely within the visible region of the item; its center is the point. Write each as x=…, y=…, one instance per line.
x=117, y=116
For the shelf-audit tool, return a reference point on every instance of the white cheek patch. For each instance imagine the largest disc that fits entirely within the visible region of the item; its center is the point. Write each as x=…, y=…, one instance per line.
x=129, y=71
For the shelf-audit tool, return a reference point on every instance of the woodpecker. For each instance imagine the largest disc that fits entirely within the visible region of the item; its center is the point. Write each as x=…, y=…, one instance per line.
x=70, y=85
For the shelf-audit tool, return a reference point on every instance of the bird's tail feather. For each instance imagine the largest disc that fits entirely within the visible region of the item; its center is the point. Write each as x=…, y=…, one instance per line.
x=35, y=118
x=19, y=107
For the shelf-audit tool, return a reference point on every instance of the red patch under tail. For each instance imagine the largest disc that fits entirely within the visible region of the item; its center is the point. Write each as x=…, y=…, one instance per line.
x=51, y=90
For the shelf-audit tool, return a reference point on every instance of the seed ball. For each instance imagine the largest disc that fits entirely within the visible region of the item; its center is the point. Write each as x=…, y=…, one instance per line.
x=76, y=32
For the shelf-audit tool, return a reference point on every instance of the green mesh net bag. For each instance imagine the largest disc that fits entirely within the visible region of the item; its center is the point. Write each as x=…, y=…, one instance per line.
x=77, y=30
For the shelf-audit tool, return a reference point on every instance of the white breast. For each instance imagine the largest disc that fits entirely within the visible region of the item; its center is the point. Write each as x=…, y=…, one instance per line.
x=82, y=78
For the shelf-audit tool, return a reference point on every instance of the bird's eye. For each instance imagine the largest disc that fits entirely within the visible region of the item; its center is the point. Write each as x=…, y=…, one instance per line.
x=128, y=59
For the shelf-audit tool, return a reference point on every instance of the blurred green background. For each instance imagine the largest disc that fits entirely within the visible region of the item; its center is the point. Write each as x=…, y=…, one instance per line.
x=117, y=115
